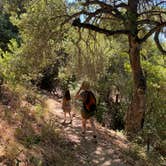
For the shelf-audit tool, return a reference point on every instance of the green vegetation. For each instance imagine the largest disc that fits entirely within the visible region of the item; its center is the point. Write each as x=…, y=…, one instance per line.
x=41, y=53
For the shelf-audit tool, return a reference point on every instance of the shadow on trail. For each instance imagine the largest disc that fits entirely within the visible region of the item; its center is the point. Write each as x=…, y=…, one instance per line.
x=108, y=151
x=46, y=141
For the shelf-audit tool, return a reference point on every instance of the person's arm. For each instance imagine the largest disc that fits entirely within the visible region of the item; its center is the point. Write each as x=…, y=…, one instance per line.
x=78, y=96
x=63, y=102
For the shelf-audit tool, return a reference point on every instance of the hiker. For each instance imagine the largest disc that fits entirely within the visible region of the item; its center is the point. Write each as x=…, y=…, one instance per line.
x=89, y=106
x=66, y=105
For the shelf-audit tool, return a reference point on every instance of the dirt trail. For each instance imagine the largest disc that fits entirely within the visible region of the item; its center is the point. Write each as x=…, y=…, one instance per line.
x=108, y=151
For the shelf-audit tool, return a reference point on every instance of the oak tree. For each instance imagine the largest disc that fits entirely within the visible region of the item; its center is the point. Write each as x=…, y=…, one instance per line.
x=138, y=20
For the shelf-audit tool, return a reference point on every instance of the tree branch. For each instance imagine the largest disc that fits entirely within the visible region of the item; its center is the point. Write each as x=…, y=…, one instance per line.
x=160, y=3
x=153, y=30
x=103, y=4
x=156, y=38
x=147, y=21
x=107, y=7
x=92, y=14
x=152, y=12
x=77, y=23
x=122, y=5
x=96, y=13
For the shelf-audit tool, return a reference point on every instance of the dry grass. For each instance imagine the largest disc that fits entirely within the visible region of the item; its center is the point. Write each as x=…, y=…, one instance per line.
x=30, y=138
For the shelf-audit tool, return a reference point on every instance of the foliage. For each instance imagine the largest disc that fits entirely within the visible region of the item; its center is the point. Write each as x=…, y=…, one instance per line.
x=41, y=46
x=7, y=31
x=10, y=62
x=88, y=56
x=153, y=134
x=54, y=55
x=139, y=153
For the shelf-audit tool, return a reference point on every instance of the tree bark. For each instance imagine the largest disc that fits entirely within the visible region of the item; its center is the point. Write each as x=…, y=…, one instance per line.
x=135, y=114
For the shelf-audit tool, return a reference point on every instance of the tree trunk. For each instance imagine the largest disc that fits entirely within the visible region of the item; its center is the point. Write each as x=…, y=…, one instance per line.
x=135, y=114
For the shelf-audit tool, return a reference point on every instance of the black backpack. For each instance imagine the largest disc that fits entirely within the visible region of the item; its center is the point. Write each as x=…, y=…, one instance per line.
x=90, y=101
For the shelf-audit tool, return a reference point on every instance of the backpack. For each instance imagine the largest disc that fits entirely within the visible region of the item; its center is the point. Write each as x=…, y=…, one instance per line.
x=90, y=101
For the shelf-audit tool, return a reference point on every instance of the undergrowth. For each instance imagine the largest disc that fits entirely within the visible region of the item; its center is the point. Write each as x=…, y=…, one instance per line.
x=35, y=139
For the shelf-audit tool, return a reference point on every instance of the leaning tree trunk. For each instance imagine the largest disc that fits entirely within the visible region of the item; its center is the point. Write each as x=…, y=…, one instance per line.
x=135, y=114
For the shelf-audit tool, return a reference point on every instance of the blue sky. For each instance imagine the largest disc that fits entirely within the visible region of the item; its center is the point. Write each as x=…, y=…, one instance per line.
x=70, y=1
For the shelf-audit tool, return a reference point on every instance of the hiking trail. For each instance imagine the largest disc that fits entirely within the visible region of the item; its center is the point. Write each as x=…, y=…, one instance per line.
x=110, y=147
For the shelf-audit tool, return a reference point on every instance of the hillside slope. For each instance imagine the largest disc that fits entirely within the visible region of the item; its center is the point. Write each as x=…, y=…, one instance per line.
x=110, y=150
x=39, y=138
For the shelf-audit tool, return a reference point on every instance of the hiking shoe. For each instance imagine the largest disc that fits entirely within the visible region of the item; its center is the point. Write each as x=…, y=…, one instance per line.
x=83, y=133
x=95, y=139
x=70, y=122
x=94, y=136
x=64, y=122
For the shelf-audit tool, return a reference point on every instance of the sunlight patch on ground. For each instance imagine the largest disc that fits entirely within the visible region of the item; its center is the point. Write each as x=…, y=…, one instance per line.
x=99, y=150
x=107, y=163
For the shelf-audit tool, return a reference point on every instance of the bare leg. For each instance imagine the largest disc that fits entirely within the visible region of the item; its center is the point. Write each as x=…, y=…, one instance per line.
x=64, y=117
x=83, y=126
x=70, y=117
x=93, y=127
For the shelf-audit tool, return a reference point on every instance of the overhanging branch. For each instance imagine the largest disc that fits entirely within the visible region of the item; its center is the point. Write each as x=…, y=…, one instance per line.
x=157, y=41
x=153, y=30
x=152, y=12
x=147, y=21
x=104, y=6
x=160, y=3
x=107, y=32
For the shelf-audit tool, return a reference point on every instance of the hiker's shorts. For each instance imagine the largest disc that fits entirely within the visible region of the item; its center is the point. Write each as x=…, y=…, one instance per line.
x=87, y=114
x=66, y=107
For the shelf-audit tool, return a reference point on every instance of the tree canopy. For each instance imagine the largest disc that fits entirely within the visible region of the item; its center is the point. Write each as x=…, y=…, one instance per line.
x=118, y=46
